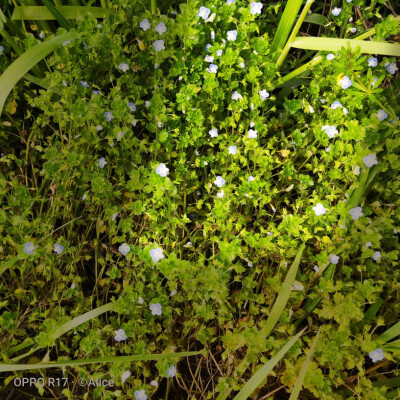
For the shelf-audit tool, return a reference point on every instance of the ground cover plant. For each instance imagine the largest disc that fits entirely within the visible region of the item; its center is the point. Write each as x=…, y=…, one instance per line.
x=199, y=200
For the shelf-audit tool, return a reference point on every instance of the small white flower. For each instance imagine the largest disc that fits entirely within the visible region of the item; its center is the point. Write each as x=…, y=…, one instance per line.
x=162, y=170
x=208, y=47
x=219, y=53
x=229, y=2
x=334, y=259
x=124, y=249
x=372, y=62
x=125, y=376
x=65, y=83
x=336, y=11
x=232, y=150
x=99, y=128
x=327, y=149
x=336, y=104
x=120, y=335
x=376, y=355
x=156, y=309
x=140, y=395
x=159, y=45
x=250, y=179
x=242, y=65
x=171, y=371
x=330, y=56
x=211, y=18
x=316, y=268
x=134, y=122
x=368, y=244
x=381, y=115
x=263, y=94
x=221, y=194
x=345, y=111
x=219, y=181
x=154, y=383
x=370, y=160
x=319, y=209
x=72, y=286
x=84, y=84
x=255, y=8
x=236, y=95
x=132, y=106
x=356, y=170
x=140, y=300
x=204, y=12
x=42, y=35
x=114, y=216
x=120, y=135
x=213, y=132
x=160, y=28
x=157, y=254
x=123, y=67
x=251, y=134
x=250, y=264
x=345, y=82
x=353, y=30
x=84, y=197
x=58, y=248
x=29, y=248
x=376, y=256
x=102, y=162
x=232, y=35
x=392, y=68
x=108, y=116
x=212, y=69
x=173, y=292
x=145, y=24
x=330, y=130
x=356, y=213
x=209, y=59
x=212, y=35
x=297, y=286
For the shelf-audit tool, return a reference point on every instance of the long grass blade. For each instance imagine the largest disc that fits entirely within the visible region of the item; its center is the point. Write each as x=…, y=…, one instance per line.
x=300, y=379
x=56, y=13
x=9, y=263
x=257, y=379
x=27, y=61
x=333, y=44
x=37, y=13
x=317, y=19
x=390, y=334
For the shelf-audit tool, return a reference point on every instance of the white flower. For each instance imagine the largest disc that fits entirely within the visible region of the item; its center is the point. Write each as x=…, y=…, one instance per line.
x=263, y=94
x=173, y=292
x=160, y=28
x=330, y=130
x=251, y=134
x=345, y=82
x=120, y=335
x=159, y=45
x=28, y=248
x=209, y=59
x=213, y=132
x=204, y=12
x=372, y=62
x=124, y=249
x=145, y=24
x=156, y=309
x=108, y=116
x=370, y=160
x=171, y=371
x=156, y=254
x=252, y=124
x=140, y=395
x=125, y=376
x=345, y=111
x=102, y=162
x=132, y=106
x=140, y=300
x=376, y=256
x=250, y=264
x=297, y=286
x=134, y=122
x=336, y=11
x=154, y=383
x=353, y=30
x=212, y=69
x=336, y=104
x=114, y=216
x=316, y=268
x=229, y=2
x=242, y=65
x=330, y=56
x=376, y=355
x=162, y=170
x=212, y=35
x=221, y=194
x=356, y=170
x=255, y=8
x=84, y=84
x=356, y=213
x=250, y=179
x=208, y=47
x=319, y=209
x=236, y=95
x=368, y=244
x=120, y=135
x=58, y=248
x=147, y=103
x=72, y=286
x=381, y=115
x=392, y=68
x=231, y=35
x=211, y=18
x=219, y=53
x=84, y=197
x=232, y=150
x=219, y=181
x=123, y=67
x=334, y=259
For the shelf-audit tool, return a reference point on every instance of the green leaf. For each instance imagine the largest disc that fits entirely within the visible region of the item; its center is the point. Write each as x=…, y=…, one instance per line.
x=37, y=13
x=257, y=379
x=27, y=61
x=390, y=334
x=317, y=19
x=75, y=363
x=300, y=379
x=332, y=44
x=56, y=13
x=9, y=263
x=373, y=309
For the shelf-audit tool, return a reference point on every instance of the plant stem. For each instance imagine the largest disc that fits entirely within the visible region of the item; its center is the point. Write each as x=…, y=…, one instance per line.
x=153, y=4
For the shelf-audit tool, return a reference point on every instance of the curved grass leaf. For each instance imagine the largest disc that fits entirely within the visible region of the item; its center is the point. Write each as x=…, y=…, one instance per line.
x=257, y=379
x=317, y=19
x=26, y=62
x=74, y=363
x=333, y=44
x=373, y=309
x=390, y=334
x=68, y=12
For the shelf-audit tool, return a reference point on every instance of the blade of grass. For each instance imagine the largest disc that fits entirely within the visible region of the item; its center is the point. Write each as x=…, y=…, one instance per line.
x=373, y=309
x=27, y=61
x=333, y=44
x=56, y=13
x=9, y=263
x=300, y=379
x=257, y=379
x=68, y=12
x=317, y=19
x=74, y=363
x=390, y=334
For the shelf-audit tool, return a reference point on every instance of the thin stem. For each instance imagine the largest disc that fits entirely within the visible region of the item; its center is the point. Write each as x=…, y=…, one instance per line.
x=153, y=6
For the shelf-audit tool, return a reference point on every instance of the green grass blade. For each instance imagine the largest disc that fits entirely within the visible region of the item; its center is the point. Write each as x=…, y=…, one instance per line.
x=257, y=379
x=285, y=26
x=373, y=309
x=333, y=44
x=75, y=363
x=27, y=61
x=56, y=13
x=300, y=379
x=37, y=13
x=283, y=295
x=9, y=263
x=317, y=19
x=392, y=346
x=391, y=382
x=390, y=334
